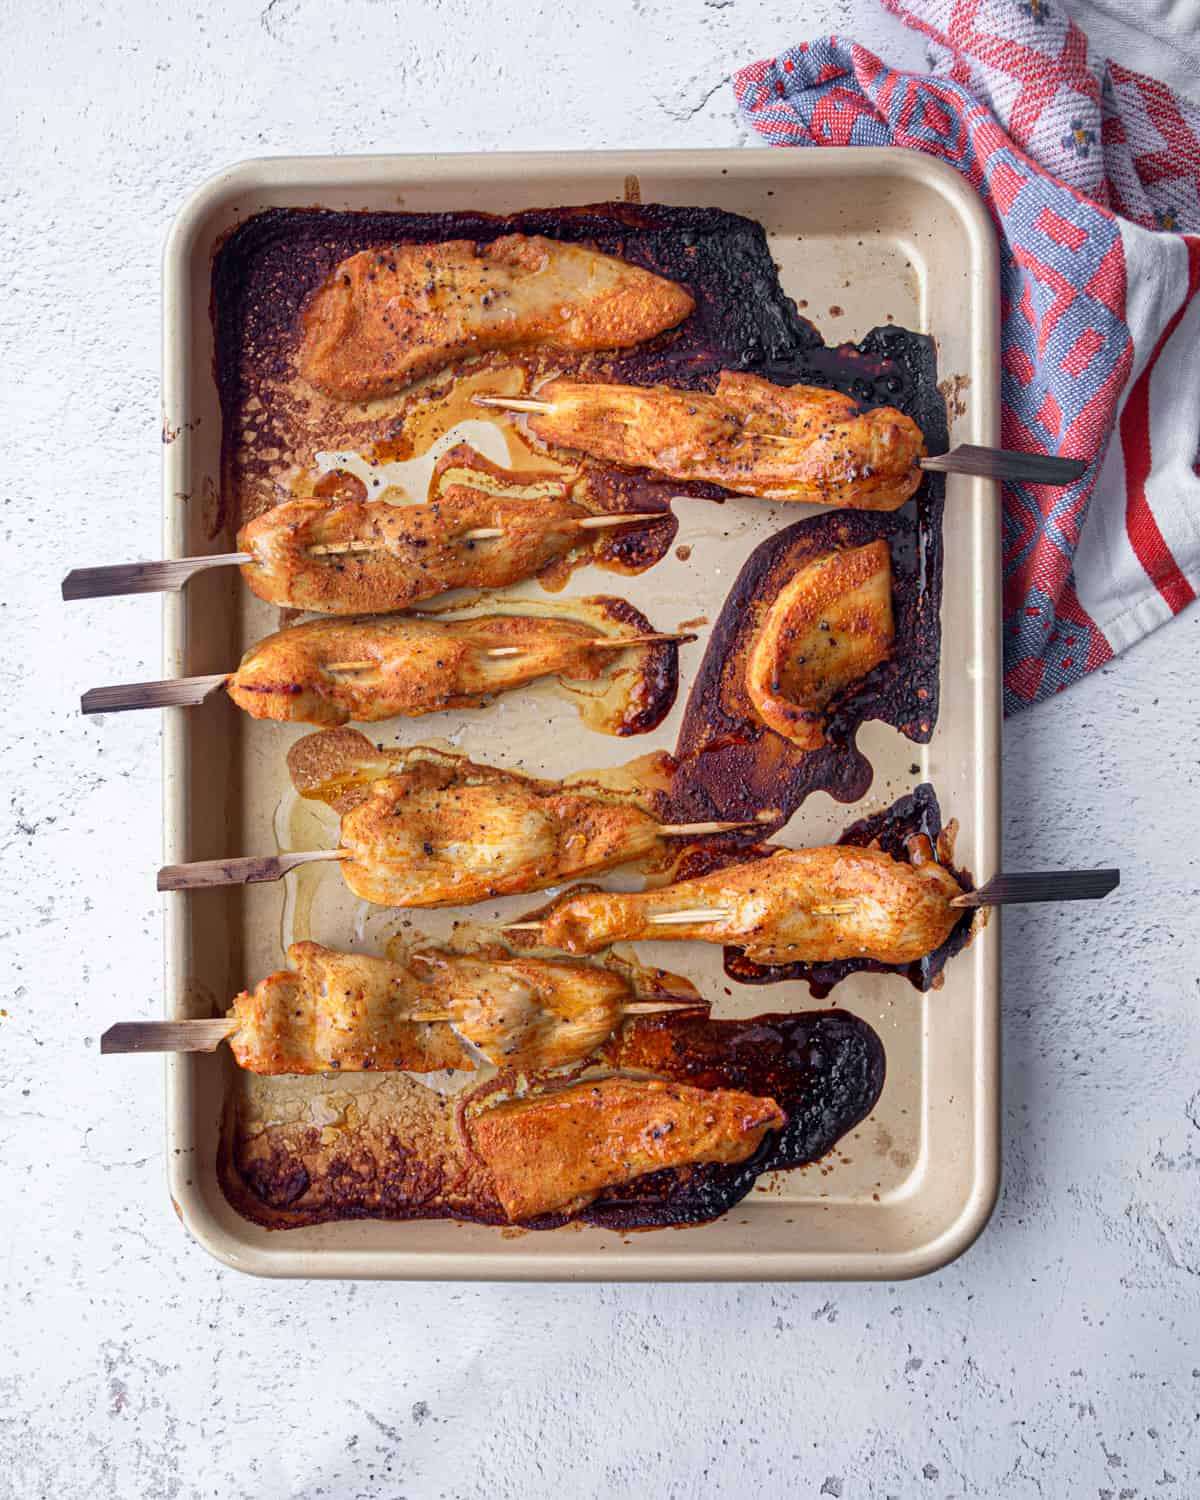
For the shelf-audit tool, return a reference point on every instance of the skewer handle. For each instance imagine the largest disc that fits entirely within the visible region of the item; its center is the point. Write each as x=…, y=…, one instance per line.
x=514, y=403
x=204, y=874
x=143, y=578
x=1054, y=885
x=179, y=692
x=695, y=830
x=167, y=1036
x=1004, y=463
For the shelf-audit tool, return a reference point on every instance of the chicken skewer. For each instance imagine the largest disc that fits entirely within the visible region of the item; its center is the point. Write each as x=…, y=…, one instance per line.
x=399, y=554
x=797, y=443
x=353, y=1013
x=429, y=829
x=331, y=671
x=802, y=906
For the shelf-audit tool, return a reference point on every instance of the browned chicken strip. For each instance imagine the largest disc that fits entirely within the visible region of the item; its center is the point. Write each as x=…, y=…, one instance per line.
x=829, y=625
x=556, y=1152
x=385, y=317
x=333, y=1011
x=391, y=556
x=799, y=905
x=750, y=437
x=332, y=671
x=446, y=832
x=532, y=1012
x=349, y=1012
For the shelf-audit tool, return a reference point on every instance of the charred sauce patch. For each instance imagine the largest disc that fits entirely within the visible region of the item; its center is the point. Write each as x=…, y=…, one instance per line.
x=731, y=765
x=825, y=1068
x=651, y=694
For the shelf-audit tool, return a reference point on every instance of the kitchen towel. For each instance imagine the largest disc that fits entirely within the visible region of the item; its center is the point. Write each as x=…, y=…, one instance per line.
x=1091, y=173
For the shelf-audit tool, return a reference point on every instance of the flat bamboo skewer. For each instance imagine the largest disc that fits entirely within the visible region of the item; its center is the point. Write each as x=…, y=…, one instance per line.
x=205, y=873
x=490, y=533
x=1001, y=890
x=697, y=914
x=603, y=643
x=207, y=1035
x=966, y=458
x=187, y=692
x=144, y=577
x=173, y=573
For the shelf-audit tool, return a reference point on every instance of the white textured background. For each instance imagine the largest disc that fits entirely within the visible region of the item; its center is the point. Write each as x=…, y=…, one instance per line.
x=1058, y=1358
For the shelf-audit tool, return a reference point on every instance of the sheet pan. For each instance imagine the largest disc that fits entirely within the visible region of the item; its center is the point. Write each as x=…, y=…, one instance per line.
x=862, y=237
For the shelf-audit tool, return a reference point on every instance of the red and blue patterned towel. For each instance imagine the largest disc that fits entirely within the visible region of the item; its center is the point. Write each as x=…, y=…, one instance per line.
x=1092, y=175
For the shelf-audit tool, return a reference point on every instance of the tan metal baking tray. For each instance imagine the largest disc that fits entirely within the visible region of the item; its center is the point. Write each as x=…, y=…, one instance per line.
x=861, y=237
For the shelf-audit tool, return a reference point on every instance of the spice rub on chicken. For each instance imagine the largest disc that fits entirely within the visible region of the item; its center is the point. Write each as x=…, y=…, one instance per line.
x=556, y=1152
x=828, y=626
x=387, y=316
x=373, y=556
x=426, y=827
x=796, y=906
x=366, y=669
x=751, y=437
x=351, y=1012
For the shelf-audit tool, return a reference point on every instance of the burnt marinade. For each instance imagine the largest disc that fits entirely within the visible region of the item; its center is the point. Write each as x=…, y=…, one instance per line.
x=825, y=1068
x=730, y=764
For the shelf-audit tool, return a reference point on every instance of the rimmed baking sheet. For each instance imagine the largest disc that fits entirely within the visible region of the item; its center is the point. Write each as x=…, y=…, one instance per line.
x=862, y=238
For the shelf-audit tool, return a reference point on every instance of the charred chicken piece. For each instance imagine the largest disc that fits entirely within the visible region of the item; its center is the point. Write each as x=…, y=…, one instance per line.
x=827, y=628
x=556, y=1152
x=799, y=905
x=385, y=317
x=750, y=437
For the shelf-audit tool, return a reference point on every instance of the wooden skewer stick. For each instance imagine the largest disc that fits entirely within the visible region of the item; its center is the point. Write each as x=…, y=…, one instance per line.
x=606, y=642
x=207, y=1035
x=694, y=830
x=1001, y=890
x=682, y=918
x=967, y=458
x=167, y=1036
x=202, y=874
x=341, y=549
x=658, y=919
x=178, y=692
x=187, y=692
x=488, y=533
x=515, y=403
x=206, y=873
x=143, y=578
x=598, y=643
x=173, y=573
